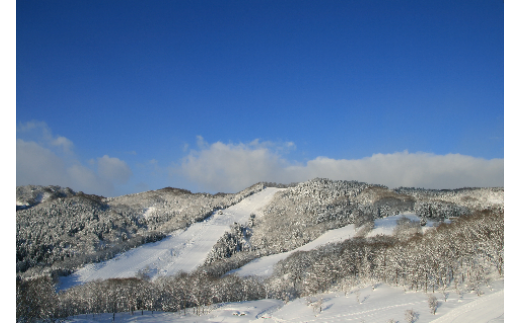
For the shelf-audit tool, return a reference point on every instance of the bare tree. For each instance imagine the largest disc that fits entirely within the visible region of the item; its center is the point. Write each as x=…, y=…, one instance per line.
x=358, y=296
x=445, y=294
x=432, y=303
x=317, y=306
x=410, y=316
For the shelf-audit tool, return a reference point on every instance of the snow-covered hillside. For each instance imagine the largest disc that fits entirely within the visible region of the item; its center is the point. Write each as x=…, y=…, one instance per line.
x=183, y=250
x=380, y=304
x=307, y=255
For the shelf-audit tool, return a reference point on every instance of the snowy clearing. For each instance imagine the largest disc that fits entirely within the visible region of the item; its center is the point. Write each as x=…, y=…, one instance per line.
x=183, y=250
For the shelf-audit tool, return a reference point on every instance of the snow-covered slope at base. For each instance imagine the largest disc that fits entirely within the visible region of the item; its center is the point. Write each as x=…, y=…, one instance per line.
x=264, y=266
x=486, y=309
x=383, y=304
x=386, y=303
x=180, y=251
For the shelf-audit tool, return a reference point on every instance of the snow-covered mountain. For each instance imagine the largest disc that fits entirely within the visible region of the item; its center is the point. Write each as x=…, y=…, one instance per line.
x=59, y=230
x=292, y=244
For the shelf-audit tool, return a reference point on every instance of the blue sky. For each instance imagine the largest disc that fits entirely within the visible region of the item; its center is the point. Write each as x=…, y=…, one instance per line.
x=117, y=97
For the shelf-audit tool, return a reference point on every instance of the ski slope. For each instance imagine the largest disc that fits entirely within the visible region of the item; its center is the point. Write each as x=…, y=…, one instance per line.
x=183, y=250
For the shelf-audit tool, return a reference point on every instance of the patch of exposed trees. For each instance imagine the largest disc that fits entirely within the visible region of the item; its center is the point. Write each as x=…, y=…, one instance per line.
x=234, y=240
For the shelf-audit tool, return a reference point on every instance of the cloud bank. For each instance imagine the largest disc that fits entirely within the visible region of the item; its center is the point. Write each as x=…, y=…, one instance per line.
x=45, y=159
x=232, y=167
x=50, y=160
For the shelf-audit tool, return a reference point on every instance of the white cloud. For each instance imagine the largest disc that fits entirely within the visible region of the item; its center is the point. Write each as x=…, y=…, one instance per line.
x=232, y=167
x=114, y=169
x=50, y=160
x=201, y=143
x=41, y=132
x=28, y=126
x=62, y=142
x=408, y=169
x=38, y=165
x=85, y=179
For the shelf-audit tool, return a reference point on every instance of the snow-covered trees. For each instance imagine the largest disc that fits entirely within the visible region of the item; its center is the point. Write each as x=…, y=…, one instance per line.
x=471, y=198
x=439, y=210
x=489, y=237
x=35, y=299
x=351, y=262
x=301, y=213
x=172, y=293
x=448, y=254
x=233, y=241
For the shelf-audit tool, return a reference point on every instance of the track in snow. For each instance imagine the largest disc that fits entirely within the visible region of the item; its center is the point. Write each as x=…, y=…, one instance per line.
x=180, y=251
